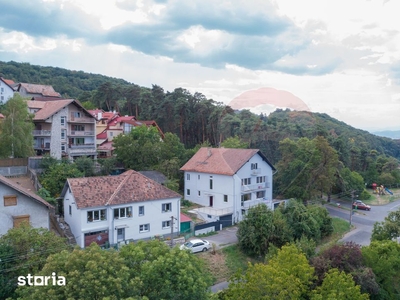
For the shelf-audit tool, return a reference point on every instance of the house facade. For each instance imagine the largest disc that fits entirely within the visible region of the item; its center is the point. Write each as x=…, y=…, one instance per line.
x=119, y=209
x=6, y=90
x=19, y=205
x=63, y=128
x=228, y=182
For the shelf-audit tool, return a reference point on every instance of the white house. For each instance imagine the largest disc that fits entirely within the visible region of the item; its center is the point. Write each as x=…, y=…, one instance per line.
x=115, y=209
x=227, y=182
x=18, y=205
x=6, y=90
x=63, y=128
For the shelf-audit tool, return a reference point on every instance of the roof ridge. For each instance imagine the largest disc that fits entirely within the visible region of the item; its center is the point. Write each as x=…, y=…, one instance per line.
x=118, y=188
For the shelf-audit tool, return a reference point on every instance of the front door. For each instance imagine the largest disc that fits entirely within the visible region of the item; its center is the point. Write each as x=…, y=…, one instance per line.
x=211, y=201
x=120, y=234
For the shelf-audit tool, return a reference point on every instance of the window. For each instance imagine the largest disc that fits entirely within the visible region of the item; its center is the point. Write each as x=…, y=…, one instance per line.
x=10, y=200
x=254, y=166
x=76, y=114
x=188, y=192
x=260, y=194
x=225, y=198
x=70, y=210
x=96, y=215
x=78, y=127
x=166, y=224
x=62, y=121
x=63, y=148
x=246, y=181
x=63, y=134
x=260, y=179
x=78, y=141
x=198, y=177
x=123, y=212
x=188, y=176
x=246, y=197
x=199, y=193
x=141, y=210
x=111, y=133
x=144, y=228
x=2, y=90
x=211, y=182
x=166, y=207
x=18, y=220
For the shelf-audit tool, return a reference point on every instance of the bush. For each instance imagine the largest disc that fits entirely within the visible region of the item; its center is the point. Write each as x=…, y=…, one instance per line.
x=364, y=195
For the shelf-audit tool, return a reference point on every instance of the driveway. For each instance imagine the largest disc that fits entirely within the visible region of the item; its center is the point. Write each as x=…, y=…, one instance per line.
x=224, y=237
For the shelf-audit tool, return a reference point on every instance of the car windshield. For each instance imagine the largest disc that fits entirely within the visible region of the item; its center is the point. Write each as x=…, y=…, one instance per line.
x=188, y=244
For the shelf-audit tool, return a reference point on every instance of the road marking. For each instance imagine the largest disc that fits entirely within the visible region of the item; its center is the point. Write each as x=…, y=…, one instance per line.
x=394, y=206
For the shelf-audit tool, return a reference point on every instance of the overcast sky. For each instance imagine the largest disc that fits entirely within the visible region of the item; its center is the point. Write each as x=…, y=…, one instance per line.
x=340, y=57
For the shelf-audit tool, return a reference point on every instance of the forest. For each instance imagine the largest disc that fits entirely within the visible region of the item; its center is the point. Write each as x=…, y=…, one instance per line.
x=196, y=120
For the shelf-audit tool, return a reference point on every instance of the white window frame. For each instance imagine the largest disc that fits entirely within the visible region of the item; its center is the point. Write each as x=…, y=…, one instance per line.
x=187, y=176
x=144, y=228
x=63, y=119
x=166, y=224
x=166, y=207
x=139, y=209
x=92, y=213
x=123, y=212
x=188, y=192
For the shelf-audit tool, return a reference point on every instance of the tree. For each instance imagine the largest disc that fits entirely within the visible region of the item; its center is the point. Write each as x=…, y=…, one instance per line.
x=159, y=272
x=85, y=165
x=53, y=180
x=389, y=229
x=286, y=276
x=234, y=142
x=338, y=285
x=16, y=139
x=383, y=257
x=23, y=251
x=90, y=273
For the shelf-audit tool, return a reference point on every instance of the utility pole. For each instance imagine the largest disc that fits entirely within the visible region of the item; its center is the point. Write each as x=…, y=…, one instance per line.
x=172, y=231
x=351, y=207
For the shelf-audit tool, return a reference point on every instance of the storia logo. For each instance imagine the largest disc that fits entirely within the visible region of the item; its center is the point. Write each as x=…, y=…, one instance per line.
x=41, y=280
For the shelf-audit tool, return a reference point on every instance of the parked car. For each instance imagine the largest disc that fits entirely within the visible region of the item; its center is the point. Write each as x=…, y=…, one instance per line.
x=358, y=204
x=196, y=245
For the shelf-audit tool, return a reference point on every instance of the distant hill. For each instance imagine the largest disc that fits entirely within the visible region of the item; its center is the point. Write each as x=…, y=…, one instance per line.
x=388, y=133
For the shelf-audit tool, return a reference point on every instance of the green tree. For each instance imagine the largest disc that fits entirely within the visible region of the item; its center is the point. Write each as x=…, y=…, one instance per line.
x=85, y=165
x=288, y=275
x=389, y=229
x=159, y=272
x=234, y=142
x=338, y=285
x=23, y=251
x=16, y=139
x=90, y=273
x=53, y=180
x=383, y=257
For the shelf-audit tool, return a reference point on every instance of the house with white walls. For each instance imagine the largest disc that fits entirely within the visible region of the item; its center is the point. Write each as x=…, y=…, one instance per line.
x=119, y=209
x=227, y=182
x=6, y=90
x=63, y=128
x=18, y=205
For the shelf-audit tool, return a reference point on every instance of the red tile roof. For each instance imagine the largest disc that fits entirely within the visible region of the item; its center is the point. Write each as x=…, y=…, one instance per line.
x=223, y=161
x=106, y=146
x=102, y=135
x=45, y=90
x=128, y=187
x=9, y=82
x=24, y=191
x=185, y=218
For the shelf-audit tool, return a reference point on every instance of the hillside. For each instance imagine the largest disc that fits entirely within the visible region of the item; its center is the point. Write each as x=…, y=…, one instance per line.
x=196, y=119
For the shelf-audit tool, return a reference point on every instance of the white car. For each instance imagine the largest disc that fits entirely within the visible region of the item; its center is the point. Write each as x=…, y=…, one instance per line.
x=196, y=245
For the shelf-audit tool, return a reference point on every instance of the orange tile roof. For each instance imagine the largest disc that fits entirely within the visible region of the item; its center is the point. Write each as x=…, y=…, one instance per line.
x=126, y=188
x=185, y=218
x=48, y=108
x=223, y=161
x=24, y=191
x=45, y=90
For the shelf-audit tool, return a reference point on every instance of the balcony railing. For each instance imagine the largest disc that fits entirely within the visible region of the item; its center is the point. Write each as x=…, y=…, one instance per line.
x=250, y=203
x=84, y=146
x=253, y=187
x=81, y=120
x=41, y=132
x=81, y=133
x=256, y=172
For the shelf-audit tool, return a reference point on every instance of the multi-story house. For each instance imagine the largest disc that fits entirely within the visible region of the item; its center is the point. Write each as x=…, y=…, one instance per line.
x=18, y=205
x=115, y=209
x=63, y=128
x=227, y=182
x=6, y=90
x=35, y=90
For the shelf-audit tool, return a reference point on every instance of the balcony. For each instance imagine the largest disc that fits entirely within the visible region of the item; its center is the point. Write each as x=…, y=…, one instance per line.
x=255, y=172
x=41, y=132
x=81, y=133
x=38, y=146
x=250, y=203
x=254, y=187
x=81, y=120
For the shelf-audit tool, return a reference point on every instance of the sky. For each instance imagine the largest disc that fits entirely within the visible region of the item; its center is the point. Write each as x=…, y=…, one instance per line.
x=340, y=57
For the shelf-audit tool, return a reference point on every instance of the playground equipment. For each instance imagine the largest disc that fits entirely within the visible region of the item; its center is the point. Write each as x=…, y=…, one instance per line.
x=381, y=190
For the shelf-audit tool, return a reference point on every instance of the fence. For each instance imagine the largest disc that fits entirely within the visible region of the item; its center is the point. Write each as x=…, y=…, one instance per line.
x=13, y=162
